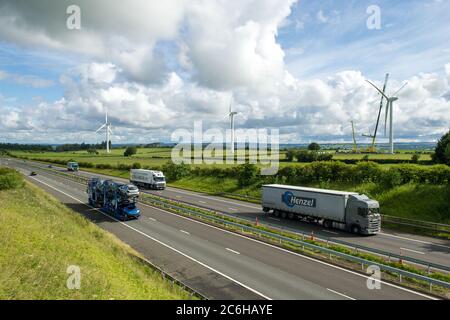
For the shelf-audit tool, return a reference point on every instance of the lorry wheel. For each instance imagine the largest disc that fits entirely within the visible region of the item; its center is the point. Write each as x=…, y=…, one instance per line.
x=356, y=229
x=284, y=215
x=327, y=224
x=291, y=216
x=276, y=213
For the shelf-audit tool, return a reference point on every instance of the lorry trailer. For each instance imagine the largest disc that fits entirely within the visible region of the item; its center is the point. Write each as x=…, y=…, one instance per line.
x=117, y=199
x=151, y=179
x=343, y=210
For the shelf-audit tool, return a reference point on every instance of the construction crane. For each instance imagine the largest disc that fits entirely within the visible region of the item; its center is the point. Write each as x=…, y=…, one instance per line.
x=372, y=148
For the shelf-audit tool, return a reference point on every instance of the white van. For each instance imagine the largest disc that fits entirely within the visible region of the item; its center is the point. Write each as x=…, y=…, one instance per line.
x=148, y=178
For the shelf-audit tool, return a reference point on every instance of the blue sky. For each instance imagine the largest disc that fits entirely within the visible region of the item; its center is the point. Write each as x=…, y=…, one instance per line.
x=282, y=63
x=414, y=37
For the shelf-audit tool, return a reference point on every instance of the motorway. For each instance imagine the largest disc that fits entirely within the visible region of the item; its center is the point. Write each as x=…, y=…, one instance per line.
x=217, y=263
x=419, y=247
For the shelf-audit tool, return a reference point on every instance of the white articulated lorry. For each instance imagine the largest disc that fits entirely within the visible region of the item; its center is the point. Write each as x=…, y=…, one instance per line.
x=148, y=178
x=348, y=211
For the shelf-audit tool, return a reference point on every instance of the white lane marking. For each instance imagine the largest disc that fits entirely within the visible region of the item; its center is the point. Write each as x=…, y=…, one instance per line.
x=293, y=253
x=235, y=252
x=328, y=231
x=274, y=219
x=233, y=209
x=201, y=201
x=406, y=249
x=415, y=240
x=275, y=247
x=162, y=243
x=153, y=219
x=341, y=294
x=214, y=199
x=185, y=232
x=380, y=233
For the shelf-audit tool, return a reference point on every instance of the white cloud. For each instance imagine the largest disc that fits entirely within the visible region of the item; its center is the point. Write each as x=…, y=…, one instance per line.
x=125, y=33
x=227, y=51
x=321, y=17
x=29, y=80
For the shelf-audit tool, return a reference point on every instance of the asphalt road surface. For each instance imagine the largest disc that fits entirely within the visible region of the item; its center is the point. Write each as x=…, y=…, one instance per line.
x=217, y=263
x=415, y=246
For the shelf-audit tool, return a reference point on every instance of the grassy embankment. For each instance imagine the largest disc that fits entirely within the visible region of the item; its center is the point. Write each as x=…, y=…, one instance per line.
x=40, y=238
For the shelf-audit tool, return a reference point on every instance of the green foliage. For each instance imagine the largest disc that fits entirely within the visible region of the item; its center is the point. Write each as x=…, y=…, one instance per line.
x=136, y=165
x=306, y=156
x=247, y=174
x=129, y=151
x=415, y=158
x=290, y=155
x=313, y=146
x=103, y=166
x=10, y=179
x=324, y=157
x=442, y=153
x=174, y=171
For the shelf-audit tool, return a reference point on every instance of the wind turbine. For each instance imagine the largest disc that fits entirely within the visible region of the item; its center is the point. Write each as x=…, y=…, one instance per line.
x=107, y=126
x=374, y=136
x=355, y=146
x=389, y=109
x=231, y=115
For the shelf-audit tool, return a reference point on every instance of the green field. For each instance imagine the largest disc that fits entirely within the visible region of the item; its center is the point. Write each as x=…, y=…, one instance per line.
x=156, y=157
x=40, y=238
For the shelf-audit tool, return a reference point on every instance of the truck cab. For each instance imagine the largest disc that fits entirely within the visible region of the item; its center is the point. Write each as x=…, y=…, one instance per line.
x=363, y=215
x=152, y=179
x=72, y=166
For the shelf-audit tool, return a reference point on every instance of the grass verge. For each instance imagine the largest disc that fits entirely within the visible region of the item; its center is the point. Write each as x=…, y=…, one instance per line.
x=40, y=238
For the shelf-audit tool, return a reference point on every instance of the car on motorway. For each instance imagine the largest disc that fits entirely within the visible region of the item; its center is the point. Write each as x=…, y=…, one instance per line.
x=49, y=166
x=33, y=173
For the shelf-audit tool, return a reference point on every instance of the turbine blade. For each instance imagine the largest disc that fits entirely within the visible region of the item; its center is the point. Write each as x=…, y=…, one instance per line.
x=385, y=118
x=396, y=92
x=101, y=127
x=382, y=93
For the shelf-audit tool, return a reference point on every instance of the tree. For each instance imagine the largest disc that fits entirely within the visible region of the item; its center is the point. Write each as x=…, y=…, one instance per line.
x=313, y=146
x=130, y=151
x=442, y=153
x=247, y=174
x=136, y=165
x=415, y=158
x=174, y=171
x=290, y=154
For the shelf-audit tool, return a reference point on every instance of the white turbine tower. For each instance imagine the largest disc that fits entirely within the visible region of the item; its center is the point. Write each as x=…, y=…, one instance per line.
x=231, y=114
x=107, y=126
x=389, y=109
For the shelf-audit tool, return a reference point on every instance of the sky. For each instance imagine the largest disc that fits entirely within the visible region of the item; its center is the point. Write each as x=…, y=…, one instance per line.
x=296, y=66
